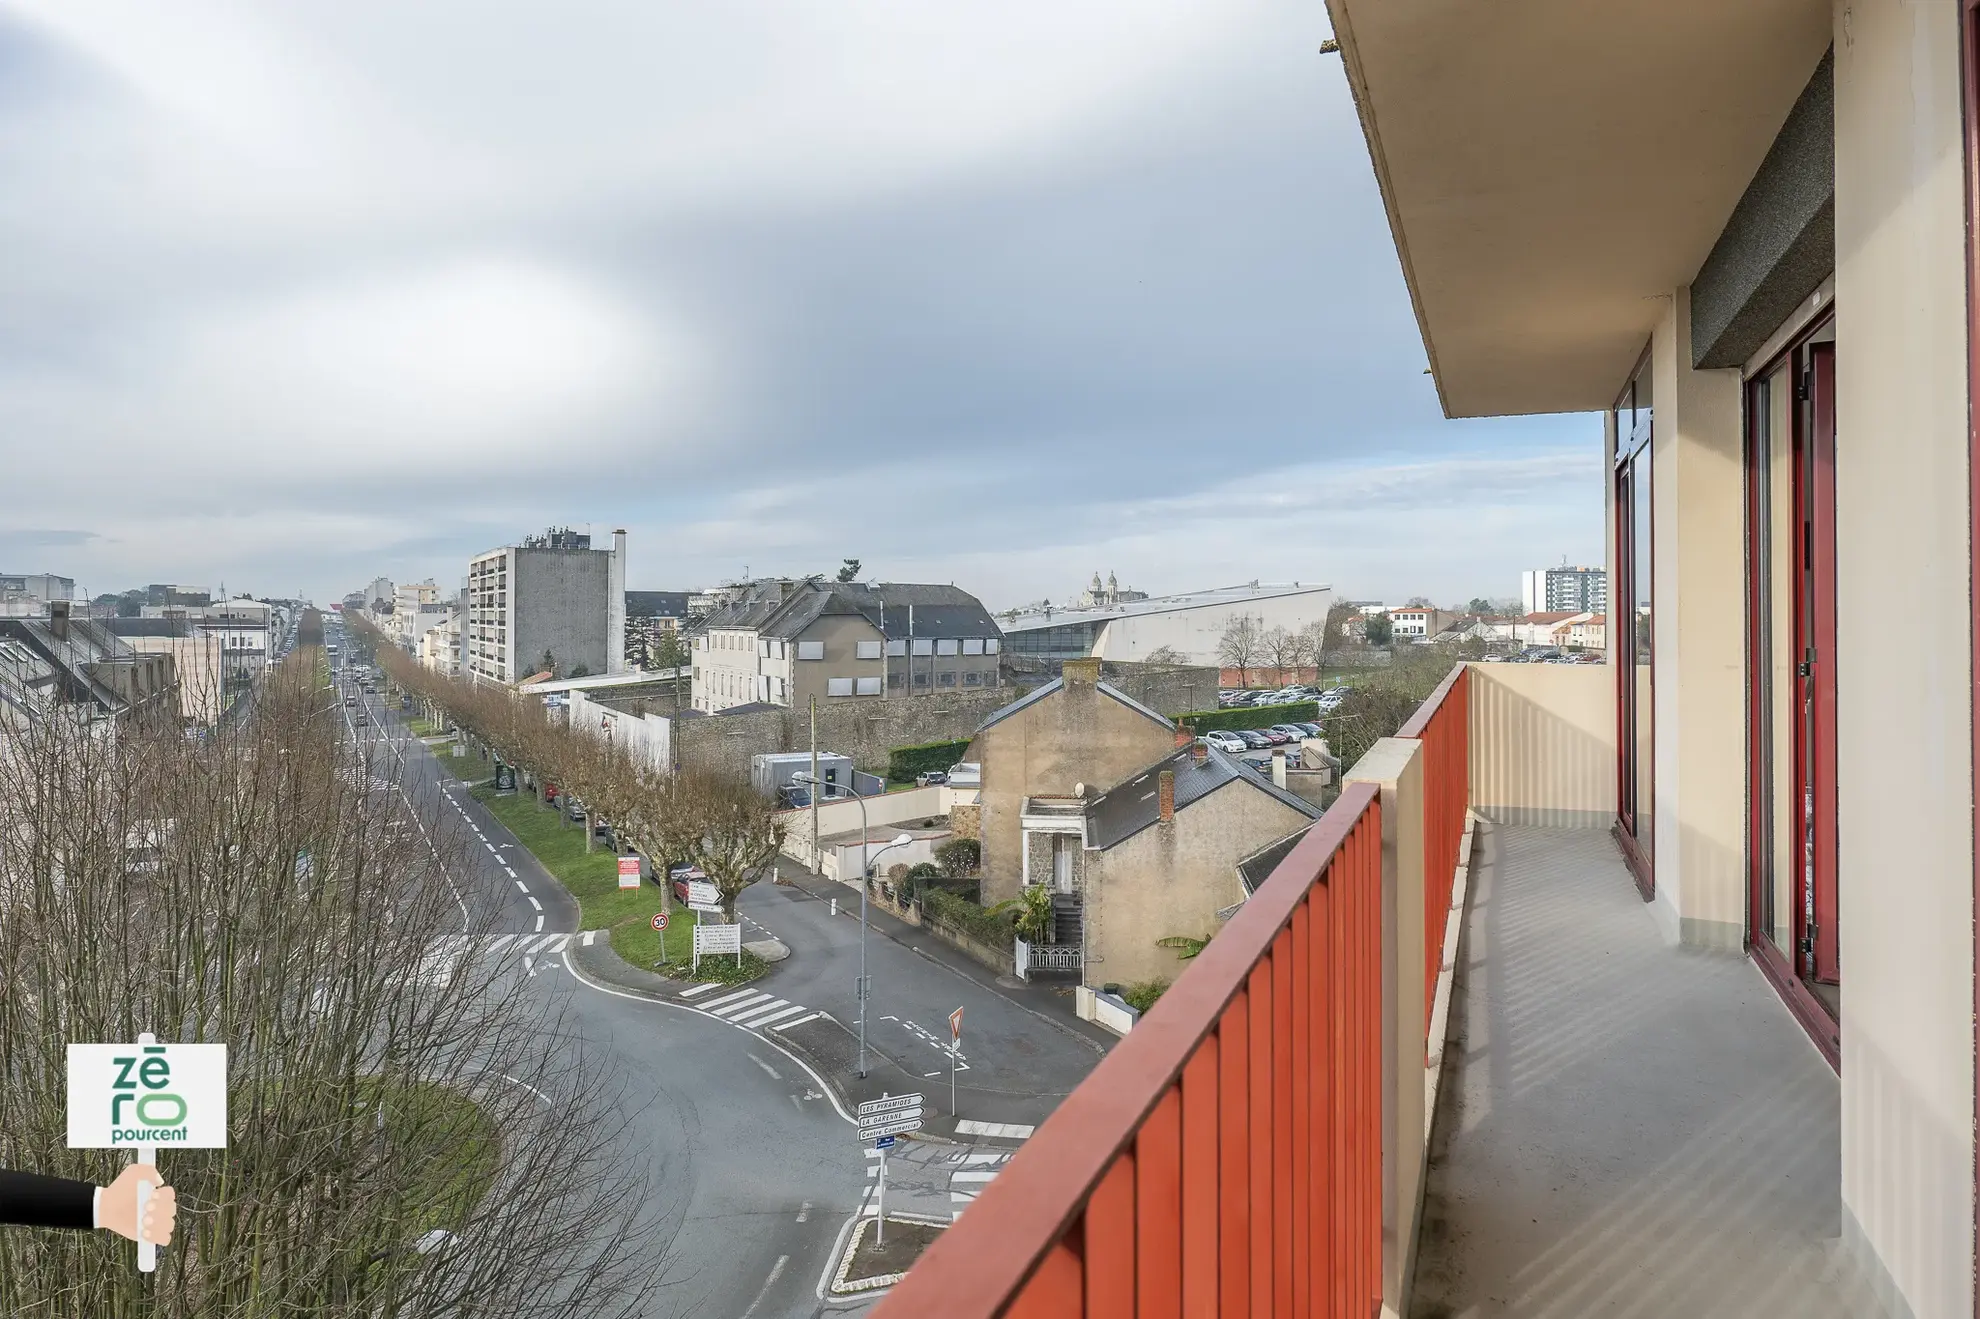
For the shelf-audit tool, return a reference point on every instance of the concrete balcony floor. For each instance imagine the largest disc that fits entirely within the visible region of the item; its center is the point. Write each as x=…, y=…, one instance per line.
x=1626, y=1128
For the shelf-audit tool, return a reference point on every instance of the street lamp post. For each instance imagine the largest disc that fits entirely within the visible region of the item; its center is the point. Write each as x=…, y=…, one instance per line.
x=865, y=878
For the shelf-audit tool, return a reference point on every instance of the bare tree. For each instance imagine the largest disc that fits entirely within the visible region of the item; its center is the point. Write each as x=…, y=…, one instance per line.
x=1283, y=649
x=722, y=825
x=268, y=888
x=1241, y=645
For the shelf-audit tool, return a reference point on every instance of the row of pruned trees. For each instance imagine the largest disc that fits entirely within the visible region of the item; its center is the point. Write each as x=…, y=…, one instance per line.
x=1248, y=643
x=694, y=816
x=265, y=889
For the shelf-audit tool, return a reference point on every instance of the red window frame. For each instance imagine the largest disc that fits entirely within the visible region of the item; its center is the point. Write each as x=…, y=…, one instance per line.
x=1814, y=507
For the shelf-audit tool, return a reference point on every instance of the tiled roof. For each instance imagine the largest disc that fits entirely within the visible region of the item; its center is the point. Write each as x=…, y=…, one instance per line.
x=1037, y=694
x=1127, y=808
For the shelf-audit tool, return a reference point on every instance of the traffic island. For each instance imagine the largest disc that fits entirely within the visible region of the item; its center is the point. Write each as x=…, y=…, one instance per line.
x=870, y=1263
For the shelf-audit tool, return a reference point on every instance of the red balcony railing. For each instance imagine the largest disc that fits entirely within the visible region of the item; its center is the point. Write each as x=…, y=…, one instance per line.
x=1226, y=1157
x=1443, y=724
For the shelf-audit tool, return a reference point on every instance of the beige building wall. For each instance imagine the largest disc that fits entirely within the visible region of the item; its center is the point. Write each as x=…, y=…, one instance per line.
x=1077, y=735
x=197, y=662
x=1173, y=879
x=1903, y=705
x=1698, y=638
x=841, y=633
x=1543, y=744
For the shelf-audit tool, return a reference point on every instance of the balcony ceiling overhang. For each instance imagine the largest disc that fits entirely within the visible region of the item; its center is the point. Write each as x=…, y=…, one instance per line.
x=1553, y=169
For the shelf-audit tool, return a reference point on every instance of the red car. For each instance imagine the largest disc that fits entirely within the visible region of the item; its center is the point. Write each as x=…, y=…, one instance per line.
x=678, y=877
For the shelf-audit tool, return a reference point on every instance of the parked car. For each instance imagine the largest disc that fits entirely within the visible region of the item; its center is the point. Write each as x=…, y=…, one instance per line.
x=350, y=701
x=1254, y=740
x=1293, y=732
x=1273, y=736
x=1225, y=740
x=929, y=778
x=678, y=877
x=1312, y=729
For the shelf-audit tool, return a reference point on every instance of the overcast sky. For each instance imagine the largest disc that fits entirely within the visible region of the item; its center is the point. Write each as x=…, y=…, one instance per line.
x=995, y=293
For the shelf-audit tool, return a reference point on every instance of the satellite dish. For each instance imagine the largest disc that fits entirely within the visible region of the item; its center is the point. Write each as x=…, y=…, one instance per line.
x=1079, y=789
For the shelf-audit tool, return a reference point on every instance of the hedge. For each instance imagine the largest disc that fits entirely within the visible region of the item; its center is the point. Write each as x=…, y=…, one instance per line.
x=904, y=764
x=1251, y=716
x=964, y=916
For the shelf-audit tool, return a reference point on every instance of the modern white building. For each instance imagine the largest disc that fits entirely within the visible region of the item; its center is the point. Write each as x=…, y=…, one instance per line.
x=1191, y=624
x=549, y=602
x=1575, y=590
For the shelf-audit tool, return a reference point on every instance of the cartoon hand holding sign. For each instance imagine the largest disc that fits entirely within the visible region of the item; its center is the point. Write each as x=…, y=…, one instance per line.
x=138, y=1097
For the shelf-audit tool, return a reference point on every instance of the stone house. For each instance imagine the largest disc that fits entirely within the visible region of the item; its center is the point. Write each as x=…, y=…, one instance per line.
x=1161, y=854
x=1074, y=733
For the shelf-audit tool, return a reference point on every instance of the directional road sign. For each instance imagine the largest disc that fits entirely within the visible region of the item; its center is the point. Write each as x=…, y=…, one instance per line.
x=889, y=1104
x=890, y=1127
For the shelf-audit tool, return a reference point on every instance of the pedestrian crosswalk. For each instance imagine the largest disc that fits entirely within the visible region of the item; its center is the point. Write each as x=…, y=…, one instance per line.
x=748, y=1007
x=446, y=952
x=978, y=1168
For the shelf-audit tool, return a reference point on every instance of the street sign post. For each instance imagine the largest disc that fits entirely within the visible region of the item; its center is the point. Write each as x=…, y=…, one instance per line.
x=955, y=1052
x=628, y=871
x=660, y=921
x=119, y=1094
x=880, y=1120
x=717, y=939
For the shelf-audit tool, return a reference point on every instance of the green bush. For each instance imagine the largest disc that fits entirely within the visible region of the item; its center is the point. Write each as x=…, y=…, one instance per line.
x=918, y=877
x=959, y=857
x=904, y=763
x=965, y=917
x=1252, y=716
x=1141, y=996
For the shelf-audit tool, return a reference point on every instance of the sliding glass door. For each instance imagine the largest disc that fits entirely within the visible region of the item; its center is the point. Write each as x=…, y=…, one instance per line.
x=1630, y=617
x=1794, y=909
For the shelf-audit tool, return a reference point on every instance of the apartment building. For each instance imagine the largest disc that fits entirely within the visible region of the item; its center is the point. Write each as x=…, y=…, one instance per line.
x=549, y=603
x=1564, y=590
x=783, y=641
x=1416, y=623
x=1710, y=1003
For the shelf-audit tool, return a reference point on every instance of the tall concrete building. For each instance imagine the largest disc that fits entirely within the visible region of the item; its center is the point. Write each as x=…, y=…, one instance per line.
x=1565, y=590
x=549, y=602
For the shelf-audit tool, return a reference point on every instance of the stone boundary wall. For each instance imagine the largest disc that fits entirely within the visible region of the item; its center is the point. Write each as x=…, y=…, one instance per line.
x=864, y=731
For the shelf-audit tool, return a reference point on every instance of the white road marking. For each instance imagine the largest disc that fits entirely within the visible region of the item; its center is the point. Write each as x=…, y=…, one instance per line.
x=738, y=996
x=781, y=1013
x=768, y=1069
x=804, y=1211
x=529, y=965
x=539, y=920
x=534, y=903
x=698, y=989
x=793, y=1025
x=775, y=1271
x=755, y=1015
x=590, y=936
x=730, y=1009
x=524, y=887
x=808, y=1069
x=1008, y=1130
x=491, y=849
x=512, y=874
x=972, y=1175
x=548, y=944
x=991, y=1156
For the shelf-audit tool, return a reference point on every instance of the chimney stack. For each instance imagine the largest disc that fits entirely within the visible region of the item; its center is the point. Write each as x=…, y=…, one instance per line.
x=1279, y=766
x=1184, y=737
x=58, y=619
x=1199, y=751
x=1165, y=795
x=1081, y=672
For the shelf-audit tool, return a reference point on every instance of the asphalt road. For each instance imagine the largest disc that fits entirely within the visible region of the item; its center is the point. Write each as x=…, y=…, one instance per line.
x=756, y=1169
